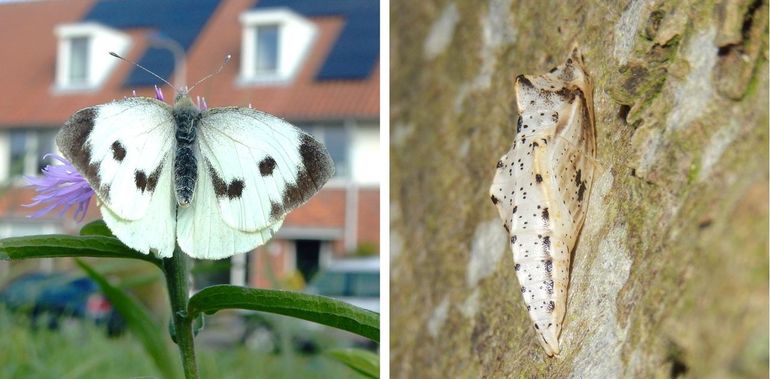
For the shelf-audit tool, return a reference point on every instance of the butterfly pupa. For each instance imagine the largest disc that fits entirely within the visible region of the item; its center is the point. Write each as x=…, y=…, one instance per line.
x=541, y=187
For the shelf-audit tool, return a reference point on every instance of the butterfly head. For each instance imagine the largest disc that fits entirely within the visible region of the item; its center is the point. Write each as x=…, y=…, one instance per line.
x=182, y=96
x=183, y=101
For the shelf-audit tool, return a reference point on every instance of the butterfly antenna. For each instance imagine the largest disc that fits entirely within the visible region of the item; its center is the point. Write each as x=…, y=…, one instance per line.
x=227, y=59
x=145, y=69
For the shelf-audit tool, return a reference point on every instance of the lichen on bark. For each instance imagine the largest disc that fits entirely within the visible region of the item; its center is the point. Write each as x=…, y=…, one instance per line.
x=670, y=274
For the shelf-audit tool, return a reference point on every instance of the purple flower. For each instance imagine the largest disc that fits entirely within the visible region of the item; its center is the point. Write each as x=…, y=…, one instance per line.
x=159, y=94
x=202, y=104
x=60, y=186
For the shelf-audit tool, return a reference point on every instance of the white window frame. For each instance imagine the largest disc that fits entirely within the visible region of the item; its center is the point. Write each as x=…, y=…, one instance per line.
x=101, y=40
x=295, y=38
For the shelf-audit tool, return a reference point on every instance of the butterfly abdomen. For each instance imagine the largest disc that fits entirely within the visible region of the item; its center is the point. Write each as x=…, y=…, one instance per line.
x=186, y=117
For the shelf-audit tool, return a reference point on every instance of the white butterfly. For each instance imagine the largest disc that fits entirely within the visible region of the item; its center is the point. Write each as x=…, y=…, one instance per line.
x=217, y=182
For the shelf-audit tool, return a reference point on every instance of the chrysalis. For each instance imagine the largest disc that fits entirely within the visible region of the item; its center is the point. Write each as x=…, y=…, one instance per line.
x=542, y=184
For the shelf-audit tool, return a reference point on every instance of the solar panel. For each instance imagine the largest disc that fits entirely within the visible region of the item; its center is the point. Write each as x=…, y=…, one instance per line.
x=181, y=21
x=357, y=48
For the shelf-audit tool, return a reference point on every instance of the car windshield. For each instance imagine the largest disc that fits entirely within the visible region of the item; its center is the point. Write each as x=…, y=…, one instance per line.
x=365, y=284
x=348, y=284
x=329, y=283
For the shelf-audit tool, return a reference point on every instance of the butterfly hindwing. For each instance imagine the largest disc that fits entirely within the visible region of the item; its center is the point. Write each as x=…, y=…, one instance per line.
x=123, y=149
x=155, y=231
x=260, y=167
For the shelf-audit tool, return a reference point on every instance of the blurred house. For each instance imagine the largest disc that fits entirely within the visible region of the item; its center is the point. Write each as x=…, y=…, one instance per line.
x=313, y=63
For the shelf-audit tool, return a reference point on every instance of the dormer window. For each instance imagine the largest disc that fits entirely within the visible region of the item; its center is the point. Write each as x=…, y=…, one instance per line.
x=82, y=61
x=274, y=44
x=78, y=72
x=266, y=51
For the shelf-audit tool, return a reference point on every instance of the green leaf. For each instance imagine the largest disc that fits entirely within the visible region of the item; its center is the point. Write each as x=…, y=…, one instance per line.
x=96, y=228
x=57, y=245
x=138, y=322
x=320, y=309
x=363, y=361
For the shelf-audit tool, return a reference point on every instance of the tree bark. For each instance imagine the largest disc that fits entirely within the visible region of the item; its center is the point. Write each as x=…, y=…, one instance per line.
x=670, y=274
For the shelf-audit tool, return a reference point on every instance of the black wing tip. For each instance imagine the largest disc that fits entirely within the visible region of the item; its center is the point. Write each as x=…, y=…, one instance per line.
x=316, y=160
x=316, y=169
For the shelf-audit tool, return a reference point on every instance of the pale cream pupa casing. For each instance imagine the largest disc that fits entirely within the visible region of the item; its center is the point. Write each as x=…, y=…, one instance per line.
x=542, y=184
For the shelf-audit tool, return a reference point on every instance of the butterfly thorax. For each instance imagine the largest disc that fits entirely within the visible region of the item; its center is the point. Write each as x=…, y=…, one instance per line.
x=186, y=116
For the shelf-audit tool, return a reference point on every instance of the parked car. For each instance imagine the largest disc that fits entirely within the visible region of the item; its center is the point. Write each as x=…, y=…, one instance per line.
x=355, y=281
x=52, y=297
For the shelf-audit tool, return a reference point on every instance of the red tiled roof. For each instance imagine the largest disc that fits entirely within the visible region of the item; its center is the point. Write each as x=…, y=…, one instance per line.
x=29, y=62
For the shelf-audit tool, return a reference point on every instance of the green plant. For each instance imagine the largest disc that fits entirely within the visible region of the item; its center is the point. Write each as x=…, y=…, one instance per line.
x=97, y=241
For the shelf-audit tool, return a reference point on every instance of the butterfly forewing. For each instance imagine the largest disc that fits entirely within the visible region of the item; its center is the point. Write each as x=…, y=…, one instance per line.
x=121, y=148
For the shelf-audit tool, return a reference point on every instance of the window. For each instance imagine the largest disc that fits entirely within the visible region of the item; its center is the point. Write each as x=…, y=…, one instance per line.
x=336, y=141
x=26, y=151
x=45, y=145
x=18, y=153
x=273, y=46
x=82, y=62
x=267, y=48
x=79, y=60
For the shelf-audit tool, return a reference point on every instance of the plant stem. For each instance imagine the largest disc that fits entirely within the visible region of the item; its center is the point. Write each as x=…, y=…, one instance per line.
x=177, y=279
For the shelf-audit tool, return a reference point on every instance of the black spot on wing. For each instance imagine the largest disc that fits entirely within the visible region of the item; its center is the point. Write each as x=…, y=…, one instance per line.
x=494, y=199
x=118, y=151
x=266, y=166
x=222, y=189
x=276, y=210
x=146, y=183
x=235, y=189
x=152, y=180
x=140, y=179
